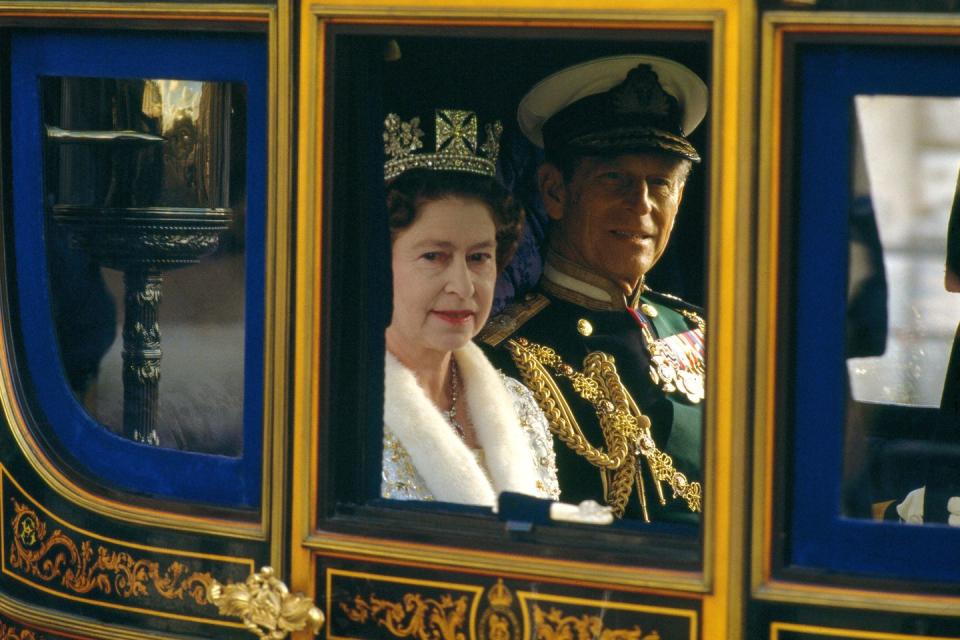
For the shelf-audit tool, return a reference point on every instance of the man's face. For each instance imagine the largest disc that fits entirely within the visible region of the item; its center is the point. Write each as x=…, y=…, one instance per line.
x=614, y=216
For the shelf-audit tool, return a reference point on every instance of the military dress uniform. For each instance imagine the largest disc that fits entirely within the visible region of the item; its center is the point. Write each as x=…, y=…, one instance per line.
x=656, y=342
x=619, y=378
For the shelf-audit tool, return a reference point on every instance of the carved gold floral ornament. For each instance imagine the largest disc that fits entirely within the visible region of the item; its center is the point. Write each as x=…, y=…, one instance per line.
x=266, y=606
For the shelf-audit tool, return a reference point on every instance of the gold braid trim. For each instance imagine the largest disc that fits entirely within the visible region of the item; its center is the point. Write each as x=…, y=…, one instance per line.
x=662, y=469
x=626, y=430
x=661, y=465
x=695, y=318
x=531, y=359
x=616, y=424
x=620, y=489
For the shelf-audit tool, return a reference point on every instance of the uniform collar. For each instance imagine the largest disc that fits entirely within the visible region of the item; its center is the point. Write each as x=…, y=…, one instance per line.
x=575, y=283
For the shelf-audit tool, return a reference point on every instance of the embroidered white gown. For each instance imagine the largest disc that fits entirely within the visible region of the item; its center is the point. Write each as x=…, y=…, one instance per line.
x=423, y=459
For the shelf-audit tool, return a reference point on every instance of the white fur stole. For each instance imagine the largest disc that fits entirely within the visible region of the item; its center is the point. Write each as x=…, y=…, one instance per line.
x=447, y=466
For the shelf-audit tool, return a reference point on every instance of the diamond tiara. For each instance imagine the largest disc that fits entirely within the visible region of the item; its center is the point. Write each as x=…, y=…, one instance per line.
x=456, y=147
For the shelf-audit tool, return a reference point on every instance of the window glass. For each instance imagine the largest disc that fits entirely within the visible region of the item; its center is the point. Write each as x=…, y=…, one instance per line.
x=144, y=186
x=901, y=418
x=906, y=183
x=414, y=76
x=869, y=177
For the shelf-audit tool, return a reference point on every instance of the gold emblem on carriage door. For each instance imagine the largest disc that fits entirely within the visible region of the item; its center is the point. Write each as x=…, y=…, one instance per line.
x=266, y=606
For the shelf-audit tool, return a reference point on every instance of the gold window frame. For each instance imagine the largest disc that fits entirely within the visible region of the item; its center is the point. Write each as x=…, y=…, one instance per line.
x=732, y=25
x=769, y=494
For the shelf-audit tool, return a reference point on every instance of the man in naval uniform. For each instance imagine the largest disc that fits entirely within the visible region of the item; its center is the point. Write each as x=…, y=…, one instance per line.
x=628, y=431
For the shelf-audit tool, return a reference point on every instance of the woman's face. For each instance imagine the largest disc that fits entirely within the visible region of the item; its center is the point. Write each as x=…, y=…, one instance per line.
x=444, y=272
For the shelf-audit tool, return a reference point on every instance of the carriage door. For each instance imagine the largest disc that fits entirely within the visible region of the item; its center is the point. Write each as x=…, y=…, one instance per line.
x=143, y=346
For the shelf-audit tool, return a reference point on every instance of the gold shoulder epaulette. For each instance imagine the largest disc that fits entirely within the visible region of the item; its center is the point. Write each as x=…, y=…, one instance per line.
x=513, y=316
x=689, y=311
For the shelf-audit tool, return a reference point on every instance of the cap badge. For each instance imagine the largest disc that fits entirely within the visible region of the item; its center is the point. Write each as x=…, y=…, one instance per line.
x=641, y=95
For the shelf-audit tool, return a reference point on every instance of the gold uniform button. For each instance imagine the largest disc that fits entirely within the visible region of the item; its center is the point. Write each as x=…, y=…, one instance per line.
x=649, y=310
x=584, y=327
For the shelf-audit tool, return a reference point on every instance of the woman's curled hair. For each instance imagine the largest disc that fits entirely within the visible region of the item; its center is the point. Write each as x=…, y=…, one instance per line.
x=414, y=188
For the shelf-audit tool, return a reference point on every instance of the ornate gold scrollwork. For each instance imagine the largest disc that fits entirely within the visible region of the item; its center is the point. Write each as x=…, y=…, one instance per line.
x=626, y=430
x=9, y=632
x=416, y=616
x=556, y=626
x=54, y=556
x=266, y=606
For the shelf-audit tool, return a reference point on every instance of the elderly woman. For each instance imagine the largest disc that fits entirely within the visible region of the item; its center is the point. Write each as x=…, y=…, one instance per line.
x=455, y=429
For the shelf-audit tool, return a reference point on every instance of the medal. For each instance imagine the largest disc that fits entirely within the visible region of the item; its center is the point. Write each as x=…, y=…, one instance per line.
x=691, y=384
x=676, y=363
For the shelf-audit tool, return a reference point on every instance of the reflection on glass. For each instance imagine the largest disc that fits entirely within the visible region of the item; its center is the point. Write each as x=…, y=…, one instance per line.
x=901, y=318
x=144, y=185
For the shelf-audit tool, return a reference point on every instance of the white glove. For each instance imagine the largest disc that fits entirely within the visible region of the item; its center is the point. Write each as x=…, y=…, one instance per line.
x=953, y=506
x=911, y=509
x=587, y=512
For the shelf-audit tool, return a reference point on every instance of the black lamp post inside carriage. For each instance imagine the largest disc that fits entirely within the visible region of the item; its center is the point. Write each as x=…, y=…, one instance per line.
x=143, y=170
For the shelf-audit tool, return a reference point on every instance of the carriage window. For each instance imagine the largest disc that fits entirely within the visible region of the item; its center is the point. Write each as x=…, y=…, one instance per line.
x=138, y=235
x=903, y=190
x=145, y=203
x=449, y=93
x=903, y=308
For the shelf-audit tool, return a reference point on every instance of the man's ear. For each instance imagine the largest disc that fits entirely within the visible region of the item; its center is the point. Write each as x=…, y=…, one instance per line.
x=553, y=191
x=669, y=230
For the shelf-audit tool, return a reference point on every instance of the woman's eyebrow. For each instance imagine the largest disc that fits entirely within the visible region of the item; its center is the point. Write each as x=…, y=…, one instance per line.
x=447, y=245
x=428, y=242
